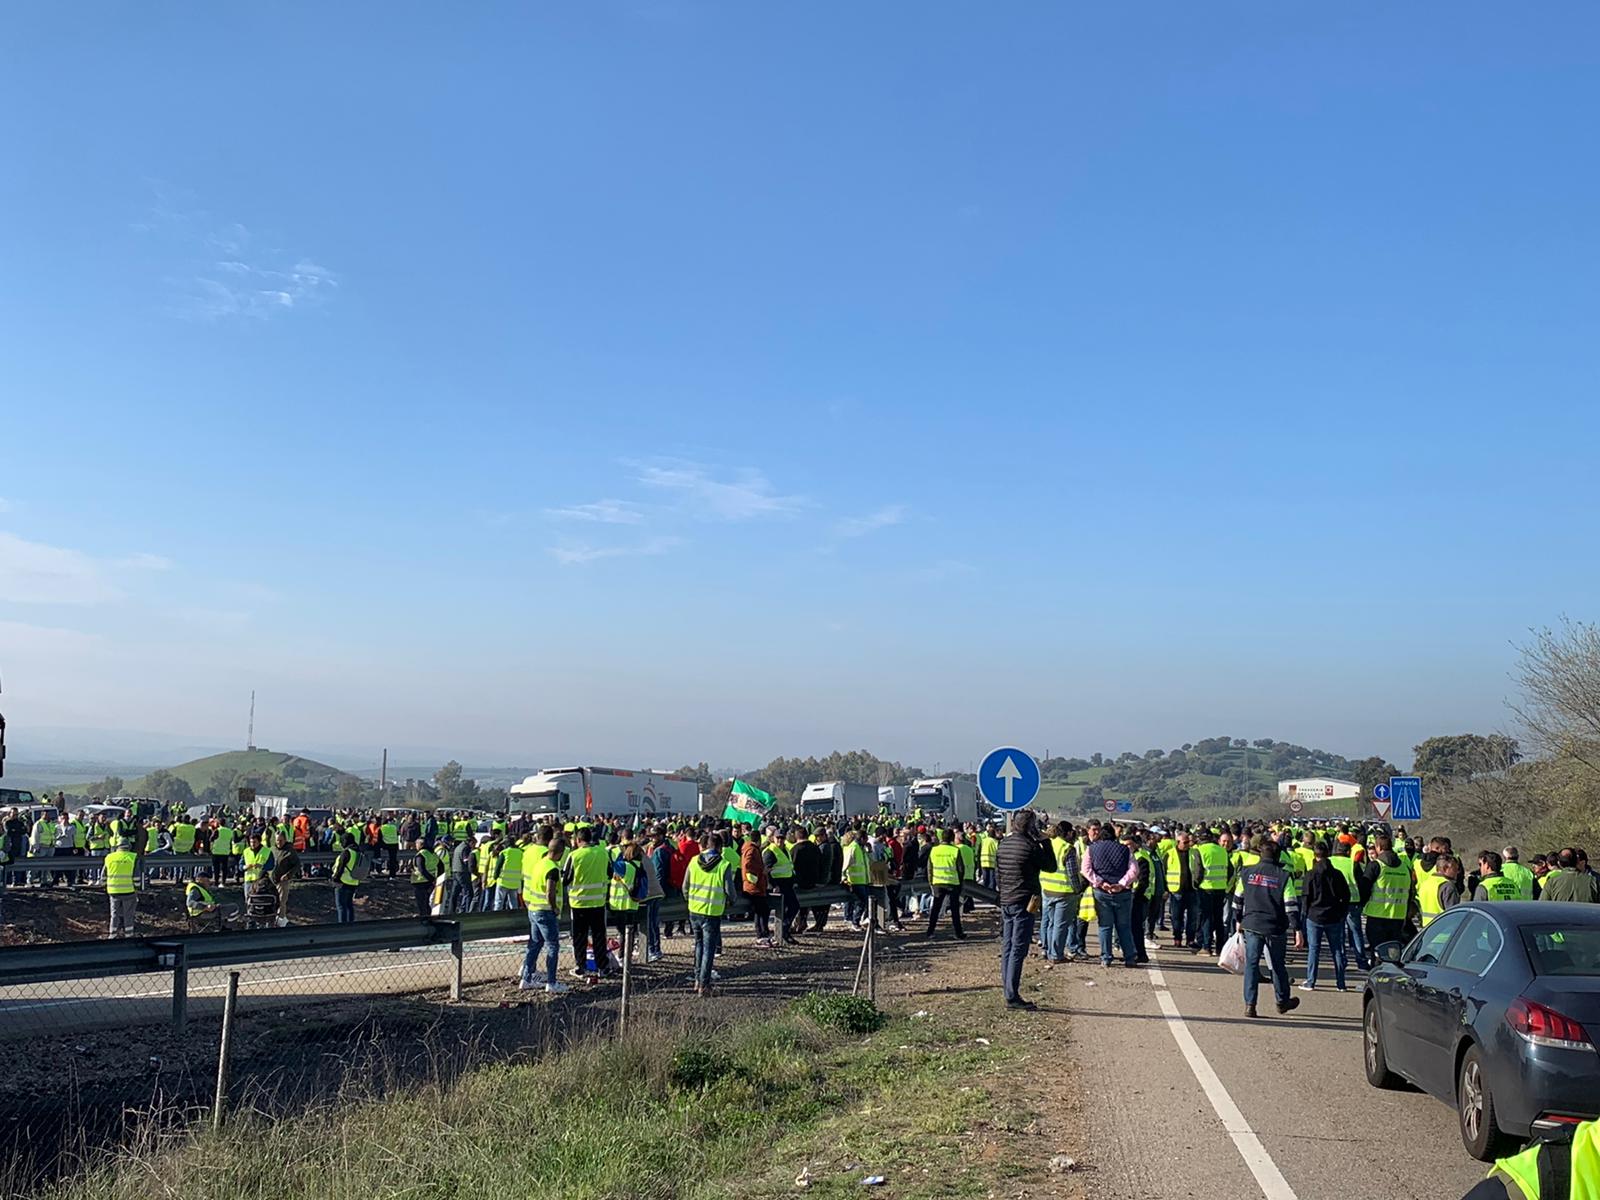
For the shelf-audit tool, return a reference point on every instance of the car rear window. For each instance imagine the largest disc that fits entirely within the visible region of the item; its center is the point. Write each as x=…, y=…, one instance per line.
x=1563, y=951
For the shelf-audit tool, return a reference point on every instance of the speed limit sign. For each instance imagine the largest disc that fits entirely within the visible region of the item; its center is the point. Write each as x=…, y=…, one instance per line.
x=1111, y=806
x=1296, y=805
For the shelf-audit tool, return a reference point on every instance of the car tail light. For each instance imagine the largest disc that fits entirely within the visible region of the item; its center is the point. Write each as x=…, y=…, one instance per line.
x=1543, y=1026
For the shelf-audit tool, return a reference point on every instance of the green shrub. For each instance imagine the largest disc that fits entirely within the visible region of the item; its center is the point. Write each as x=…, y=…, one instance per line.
x=695, y=1068
x=835, y=1010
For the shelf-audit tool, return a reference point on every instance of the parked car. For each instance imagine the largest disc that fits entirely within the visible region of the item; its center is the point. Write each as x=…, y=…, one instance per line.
x=1494, y=1009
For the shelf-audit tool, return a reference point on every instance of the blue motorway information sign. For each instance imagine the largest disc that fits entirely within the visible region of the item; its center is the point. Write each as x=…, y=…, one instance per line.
x=1008, y=778
x=1405, y=794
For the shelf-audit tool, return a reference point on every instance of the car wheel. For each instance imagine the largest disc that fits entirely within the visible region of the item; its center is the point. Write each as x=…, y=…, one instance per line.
x=1378, y=1073
x=1475, y=1107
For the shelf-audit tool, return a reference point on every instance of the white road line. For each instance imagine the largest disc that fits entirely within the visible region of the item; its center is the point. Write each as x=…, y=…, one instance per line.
x=1268, y=1178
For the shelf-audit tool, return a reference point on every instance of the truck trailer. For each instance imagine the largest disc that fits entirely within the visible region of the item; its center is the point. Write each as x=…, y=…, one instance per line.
x=604, y=791
x=838, y=799
x=945, y=799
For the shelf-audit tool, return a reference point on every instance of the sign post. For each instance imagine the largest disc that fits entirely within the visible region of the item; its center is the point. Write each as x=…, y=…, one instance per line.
x=1008, y=778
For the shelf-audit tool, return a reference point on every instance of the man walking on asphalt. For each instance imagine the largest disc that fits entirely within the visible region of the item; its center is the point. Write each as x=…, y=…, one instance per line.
x=1021, y=856
x=1266, y=922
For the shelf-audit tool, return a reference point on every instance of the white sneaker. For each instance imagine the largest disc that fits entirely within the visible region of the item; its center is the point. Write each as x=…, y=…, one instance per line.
x=1306, y=987
x=716, y=975
x=526, y=985
x=556, y=989
x=656, y=957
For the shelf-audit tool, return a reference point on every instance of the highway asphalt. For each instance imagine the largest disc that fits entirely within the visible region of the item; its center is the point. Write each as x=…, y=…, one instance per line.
x=1187, y=1097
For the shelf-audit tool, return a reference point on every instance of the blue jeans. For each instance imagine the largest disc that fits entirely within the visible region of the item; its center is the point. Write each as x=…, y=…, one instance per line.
x=1276, y=945
x=1352, y=925
x=857, y=906
x=652, y=927
x=344, y=904
x=1057, y=919
x=1114, y=913
x=707, y=941
x=506, y=900
x=1315, y=933
x=1183, y=911
x=1016, y=931
x=544, y=934
x=1211, y=908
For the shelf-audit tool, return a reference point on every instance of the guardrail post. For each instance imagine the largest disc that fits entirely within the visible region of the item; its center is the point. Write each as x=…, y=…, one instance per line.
x=220, y=1103
x=180, y=984
x=457, y=962
x=627, y=977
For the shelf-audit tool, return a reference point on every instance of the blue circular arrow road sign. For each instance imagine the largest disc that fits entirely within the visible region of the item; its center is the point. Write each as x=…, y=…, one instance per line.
x=1008, y=778
x=1380, y=791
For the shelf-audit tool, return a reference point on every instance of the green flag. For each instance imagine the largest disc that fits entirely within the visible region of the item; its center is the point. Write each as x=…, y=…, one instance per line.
x=748, y=804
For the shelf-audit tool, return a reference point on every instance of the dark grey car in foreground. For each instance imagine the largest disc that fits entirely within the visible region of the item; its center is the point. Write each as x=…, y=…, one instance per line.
x=1495, y=1009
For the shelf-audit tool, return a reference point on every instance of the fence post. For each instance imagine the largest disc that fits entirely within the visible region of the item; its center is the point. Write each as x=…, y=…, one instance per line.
x=220, y=1103
x=180, y=984
x=861, y=963
x=872, y=948
x=627, y=977
x=457, y=962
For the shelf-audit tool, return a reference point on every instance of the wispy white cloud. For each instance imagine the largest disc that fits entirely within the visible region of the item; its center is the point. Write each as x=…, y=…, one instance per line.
x=34, y=573
x=748, y=494
x=580, y=553
x=224, y=270
x=883, y=518
x=45, y=642
x=145, y=562
x=606, y=512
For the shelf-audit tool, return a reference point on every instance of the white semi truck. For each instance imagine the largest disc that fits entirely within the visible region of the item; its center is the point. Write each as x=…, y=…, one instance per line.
x=604, y=791
x=947, y=799
x=838, y=799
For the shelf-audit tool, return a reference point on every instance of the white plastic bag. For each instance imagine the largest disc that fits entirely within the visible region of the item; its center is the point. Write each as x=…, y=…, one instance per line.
x=1231, y=959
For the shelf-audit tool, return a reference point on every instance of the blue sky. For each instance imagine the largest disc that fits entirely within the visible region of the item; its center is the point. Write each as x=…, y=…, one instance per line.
x=663, y=382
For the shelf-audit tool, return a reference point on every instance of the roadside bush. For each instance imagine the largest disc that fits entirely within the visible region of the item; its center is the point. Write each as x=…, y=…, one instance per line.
x=835, y=1010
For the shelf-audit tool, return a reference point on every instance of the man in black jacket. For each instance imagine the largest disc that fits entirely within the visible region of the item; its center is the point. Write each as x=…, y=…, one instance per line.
x=1266, y=924
x=1325, y=900
x=1021, y=856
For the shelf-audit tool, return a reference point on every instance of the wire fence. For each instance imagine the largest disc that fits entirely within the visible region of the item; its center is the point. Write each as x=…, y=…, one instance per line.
x=102, y=1039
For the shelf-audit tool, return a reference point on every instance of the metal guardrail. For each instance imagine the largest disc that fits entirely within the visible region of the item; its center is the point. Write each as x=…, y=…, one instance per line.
x=77, y=864
x=181, y=954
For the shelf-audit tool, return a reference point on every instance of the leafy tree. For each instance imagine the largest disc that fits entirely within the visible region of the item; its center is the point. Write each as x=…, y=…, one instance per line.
x=448, y=780
x=173, y=789
x=111, y=785
x=1464, y=755
x=1370, y=772
x=351, y=792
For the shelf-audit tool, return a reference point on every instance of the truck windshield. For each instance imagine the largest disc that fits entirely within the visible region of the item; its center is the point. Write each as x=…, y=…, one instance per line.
x=817, y=806
x=11, y=797
x=932, y=802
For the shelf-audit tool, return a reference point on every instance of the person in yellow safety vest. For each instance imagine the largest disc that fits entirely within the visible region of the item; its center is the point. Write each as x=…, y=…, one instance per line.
x=1386, y=882
x=588, y=876
x=780, y=870
x=1058, y=923
x=542, y=890
x=1516, y=872
x=508, y=878
x=1143, y=889
x=1492, y=881
x=624, y=894
x=389, y=839
x=346, y=879
x=1306, y=855
x=1087, y=916
x=221, y=851
x=1216, y=877
x=1438, y=889
x=855, y=874
x=183, y=836
x=988, y=857
x=946, y=868
x=1549, y=1170
x=426, y=867
x=1183, y=897
x=969, y=867
x=99, y=837
x=708, y=887
x=120, y=890
x=485, y=859
x=1339, y=859
x=205, y=914
x=254, y=857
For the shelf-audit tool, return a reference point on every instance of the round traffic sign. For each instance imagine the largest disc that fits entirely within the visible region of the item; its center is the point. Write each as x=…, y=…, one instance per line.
x=1111, y=806
x=1008, y=778
x=1296, y=805
x=1380, y=791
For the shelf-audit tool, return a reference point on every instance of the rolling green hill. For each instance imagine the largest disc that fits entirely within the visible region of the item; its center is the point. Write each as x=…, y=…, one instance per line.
x=268, y=771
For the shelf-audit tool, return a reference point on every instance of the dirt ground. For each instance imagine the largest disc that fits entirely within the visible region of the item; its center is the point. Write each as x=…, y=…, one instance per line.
x=79, y=913
x=96, y=1088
